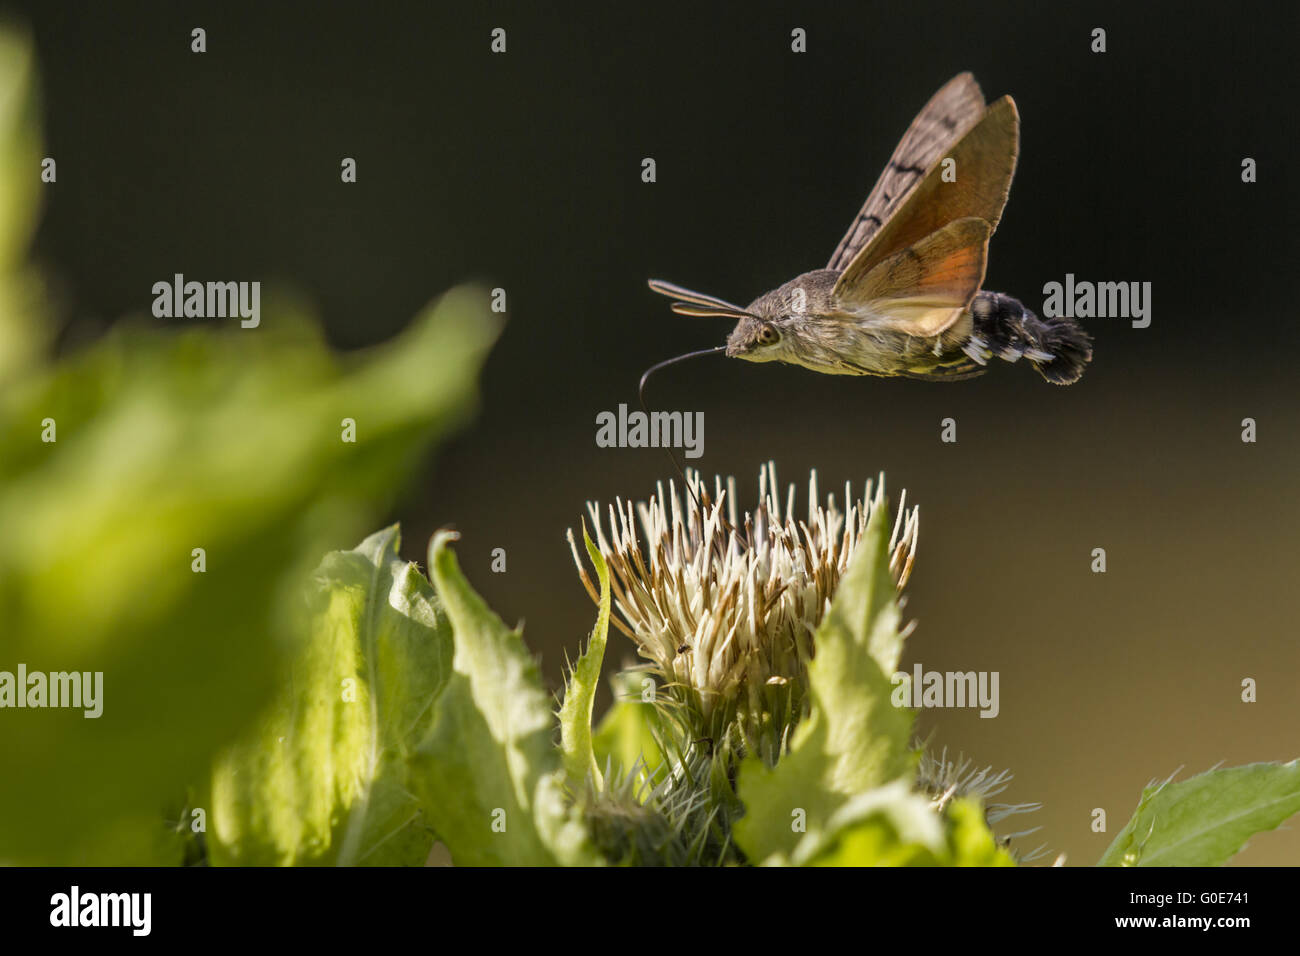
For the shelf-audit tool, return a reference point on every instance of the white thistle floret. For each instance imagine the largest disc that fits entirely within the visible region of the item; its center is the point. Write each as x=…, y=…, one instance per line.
x=725, y=609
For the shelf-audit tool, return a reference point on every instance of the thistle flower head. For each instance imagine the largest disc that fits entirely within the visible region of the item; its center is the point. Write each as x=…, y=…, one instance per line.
x=723, y=605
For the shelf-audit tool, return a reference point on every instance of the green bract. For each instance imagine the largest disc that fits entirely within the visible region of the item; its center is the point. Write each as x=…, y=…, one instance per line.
x=580, y=696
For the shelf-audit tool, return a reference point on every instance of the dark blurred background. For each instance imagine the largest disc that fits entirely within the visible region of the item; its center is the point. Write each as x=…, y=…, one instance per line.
x=523, y=170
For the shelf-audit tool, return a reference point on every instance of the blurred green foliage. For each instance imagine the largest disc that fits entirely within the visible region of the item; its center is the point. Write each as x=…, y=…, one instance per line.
x=890, y=826
x=170, y=440
x=23, y=333
x=411, y=712
x=323, y=778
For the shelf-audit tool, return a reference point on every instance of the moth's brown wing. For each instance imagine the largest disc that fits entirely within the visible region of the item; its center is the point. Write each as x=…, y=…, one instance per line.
x=950, y=113
x=985, y=161
x=924, y=289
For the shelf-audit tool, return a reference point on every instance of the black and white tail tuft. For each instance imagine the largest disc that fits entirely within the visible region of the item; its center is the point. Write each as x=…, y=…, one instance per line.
x=1058, y=348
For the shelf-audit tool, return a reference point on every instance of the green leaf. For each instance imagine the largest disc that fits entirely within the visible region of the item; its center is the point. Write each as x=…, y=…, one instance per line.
x=324, y=778
x=488, y=774
x=970, y=841
x=1205, y=820
x=892, y=826
x=580, y=692
x=227, y=441
x=887, y=826
x=854, y=739
x=631, y=728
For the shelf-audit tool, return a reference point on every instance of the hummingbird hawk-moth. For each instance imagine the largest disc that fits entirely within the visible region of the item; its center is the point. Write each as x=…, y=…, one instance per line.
x=901, y=294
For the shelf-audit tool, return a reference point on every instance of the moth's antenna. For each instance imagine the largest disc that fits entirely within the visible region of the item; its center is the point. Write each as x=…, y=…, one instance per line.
x=685, y=296
x=641, y=394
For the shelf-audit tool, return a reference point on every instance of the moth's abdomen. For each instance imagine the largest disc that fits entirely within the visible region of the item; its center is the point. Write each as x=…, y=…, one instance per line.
x=1058, y=348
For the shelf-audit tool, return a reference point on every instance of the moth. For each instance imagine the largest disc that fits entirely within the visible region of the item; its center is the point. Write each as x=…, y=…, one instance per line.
x=901, y=294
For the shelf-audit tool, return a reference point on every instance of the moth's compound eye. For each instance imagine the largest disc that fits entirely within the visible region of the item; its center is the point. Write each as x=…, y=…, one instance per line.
x=768, y=335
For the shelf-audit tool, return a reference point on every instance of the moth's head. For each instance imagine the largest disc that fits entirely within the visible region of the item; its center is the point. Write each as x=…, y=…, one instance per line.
x=755, y=339
x=770, y=326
